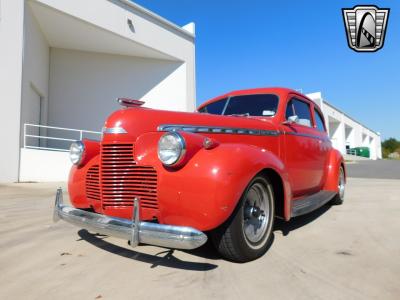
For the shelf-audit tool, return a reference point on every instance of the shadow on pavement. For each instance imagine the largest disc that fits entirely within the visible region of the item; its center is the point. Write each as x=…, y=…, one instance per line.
x=300, y=221
x=206, y=251
x=166, y=260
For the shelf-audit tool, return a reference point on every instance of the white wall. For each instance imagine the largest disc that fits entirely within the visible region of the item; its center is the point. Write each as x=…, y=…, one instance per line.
x=83, y=83
x=42, y=165
x=317, y=98
x=11, y=46
x=153, y=32
x=35, y=78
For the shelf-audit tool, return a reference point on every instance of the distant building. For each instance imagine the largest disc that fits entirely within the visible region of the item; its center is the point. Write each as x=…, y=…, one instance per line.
x=394, y=155
x=345, y=132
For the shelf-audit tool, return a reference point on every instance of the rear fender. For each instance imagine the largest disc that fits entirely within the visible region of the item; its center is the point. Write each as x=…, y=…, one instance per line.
x=332, y=170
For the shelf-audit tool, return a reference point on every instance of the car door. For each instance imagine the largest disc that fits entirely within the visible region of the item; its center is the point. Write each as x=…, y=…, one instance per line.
x=324, y=143
x=302, y=147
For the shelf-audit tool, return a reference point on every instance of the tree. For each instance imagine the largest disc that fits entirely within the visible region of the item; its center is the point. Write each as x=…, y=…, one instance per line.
x=385, y=153
x=391, y=145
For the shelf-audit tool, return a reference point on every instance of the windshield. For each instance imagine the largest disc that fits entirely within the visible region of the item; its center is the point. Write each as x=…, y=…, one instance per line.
x=246, y=105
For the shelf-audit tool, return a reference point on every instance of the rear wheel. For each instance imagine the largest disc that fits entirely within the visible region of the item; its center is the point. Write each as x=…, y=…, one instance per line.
x=339, y=198
x=246, y=234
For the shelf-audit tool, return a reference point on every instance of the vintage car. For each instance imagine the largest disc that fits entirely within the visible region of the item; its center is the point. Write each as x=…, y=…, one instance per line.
x=173, y=179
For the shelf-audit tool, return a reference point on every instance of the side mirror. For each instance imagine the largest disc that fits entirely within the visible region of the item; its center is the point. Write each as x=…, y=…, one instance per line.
x=291, y=120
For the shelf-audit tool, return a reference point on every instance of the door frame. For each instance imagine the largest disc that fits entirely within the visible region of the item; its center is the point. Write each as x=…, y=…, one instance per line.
x=43, y=109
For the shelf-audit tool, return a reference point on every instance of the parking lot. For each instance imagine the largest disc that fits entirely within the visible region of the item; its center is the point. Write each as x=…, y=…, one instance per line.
x=337, y=252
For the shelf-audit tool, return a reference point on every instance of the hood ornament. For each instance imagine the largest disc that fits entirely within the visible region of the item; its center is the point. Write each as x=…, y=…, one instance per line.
x=128, y=102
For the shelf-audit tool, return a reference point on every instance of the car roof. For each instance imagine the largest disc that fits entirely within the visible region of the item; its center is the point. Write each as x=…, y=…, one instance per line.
x=280, y=91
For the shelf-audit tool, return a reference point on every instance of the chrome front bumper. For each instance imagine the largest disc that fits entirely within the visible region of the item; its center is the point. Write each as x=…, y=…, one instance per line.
x=136, y=231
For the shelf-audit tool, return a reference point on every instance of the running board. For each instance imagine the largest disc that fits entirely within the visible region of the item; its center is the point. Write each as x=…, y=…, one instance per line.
x=309, y=203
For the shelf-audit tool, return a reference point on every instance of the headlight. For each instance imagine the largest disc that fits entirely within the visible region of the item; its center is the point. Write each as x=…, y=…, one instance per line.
x=171, y=148
x=76, y=152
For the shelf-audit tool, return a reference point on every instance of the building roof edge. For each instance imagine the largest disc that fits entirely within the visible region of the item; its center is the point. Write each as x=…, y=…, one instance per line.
x=157, y=17
x=351, y=118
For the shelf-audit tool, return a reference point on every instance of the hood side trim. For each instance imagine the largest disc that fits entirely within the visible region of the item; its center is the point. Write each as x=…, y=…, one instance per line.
x=218, y=130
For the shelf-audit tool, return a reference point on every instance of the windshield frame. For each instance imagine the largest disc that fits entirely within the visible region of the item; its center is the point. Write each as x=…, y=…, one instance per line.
x=233, y=96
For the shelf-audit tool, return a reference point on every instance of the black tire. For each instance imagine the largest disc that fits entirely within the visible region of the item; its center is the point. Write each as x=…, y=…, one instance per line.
x=339, y=197
x=233, y=238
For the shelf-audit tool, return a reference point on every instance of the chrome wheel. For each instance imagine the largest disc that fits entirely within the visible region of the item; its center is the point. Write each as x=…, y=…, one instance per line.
x=256, y=214
x=247, y=233
x=342, y=184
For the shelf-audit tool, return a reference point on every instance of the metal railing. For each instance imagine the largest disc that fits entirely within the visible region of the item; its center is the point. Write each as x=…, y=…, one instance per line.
x=351, y=151
x=43, y=137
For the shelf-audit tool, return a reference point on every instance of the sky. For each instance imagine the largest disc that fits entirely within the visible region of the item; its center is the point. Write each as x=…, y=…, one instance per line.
x=296, y=44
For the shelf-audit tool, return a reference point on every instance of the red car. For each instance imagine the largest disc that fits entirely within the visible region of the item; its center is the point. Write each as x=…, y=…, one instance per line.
x=173, y=179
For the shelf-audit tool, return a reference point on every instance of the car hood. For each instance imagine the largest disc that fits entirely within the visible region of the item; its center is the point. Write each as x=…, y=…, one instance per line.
x=136, y=121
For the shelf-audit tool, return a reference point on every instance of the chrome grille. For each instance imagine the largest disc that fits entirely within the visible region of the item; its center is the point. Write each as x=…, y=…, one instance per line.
x=122, y=180
x=92, y=183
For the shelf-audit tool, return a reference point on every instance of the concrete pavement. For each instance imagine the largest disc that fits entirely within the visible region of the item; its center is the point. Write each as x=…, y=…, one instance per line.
x=340, y=252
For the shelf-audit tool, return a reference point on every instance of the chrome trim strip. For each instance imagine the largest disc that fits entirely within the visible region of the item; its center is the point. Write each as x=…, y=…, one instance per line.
x=233, y=130
x=113, y=130
x=169, y=236
x=307, y=135
x=218, y=130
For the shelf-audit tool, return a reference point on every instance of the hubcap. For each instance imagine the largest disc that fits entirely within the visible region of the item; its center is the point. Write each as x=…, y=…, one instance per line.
x=256, y=213
x=341, y=184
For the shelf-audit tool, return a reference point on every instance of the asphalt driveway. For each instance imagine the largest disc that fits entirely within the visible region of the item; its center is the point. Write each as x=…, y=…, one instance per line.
x=337, y=252
x=385, y=169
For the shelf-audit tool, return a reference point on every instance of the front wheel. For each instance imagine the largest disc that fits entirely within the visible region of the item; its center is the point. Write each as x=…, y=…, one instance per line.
x=245, y=236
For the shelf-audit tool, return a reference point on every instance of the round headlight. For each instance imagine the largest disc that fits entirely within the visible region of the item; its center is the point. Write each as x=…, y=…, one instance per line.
x=76, y=152
x=171, y=148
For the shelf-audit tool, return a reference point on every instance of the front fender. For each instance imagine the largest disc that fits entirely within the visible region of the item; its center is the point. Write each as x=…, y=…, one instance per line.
x=77, y=176
x=204, y=192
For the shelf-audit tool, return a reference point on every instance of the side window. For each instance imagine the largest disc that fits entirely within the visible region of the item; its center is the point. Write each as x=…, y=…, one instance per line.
x=214, y=108
x=300, y=109
x=319, y=121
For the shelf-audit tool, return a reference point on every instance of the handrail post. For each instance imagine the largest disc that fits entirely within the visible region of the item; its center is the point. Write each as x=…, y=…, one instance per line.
x=81, y=135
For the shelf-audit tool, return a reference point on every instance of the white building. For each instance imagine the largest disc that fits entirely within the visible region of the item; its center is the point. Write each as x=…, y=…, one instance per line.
x=345, y=132
x=64, y=62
